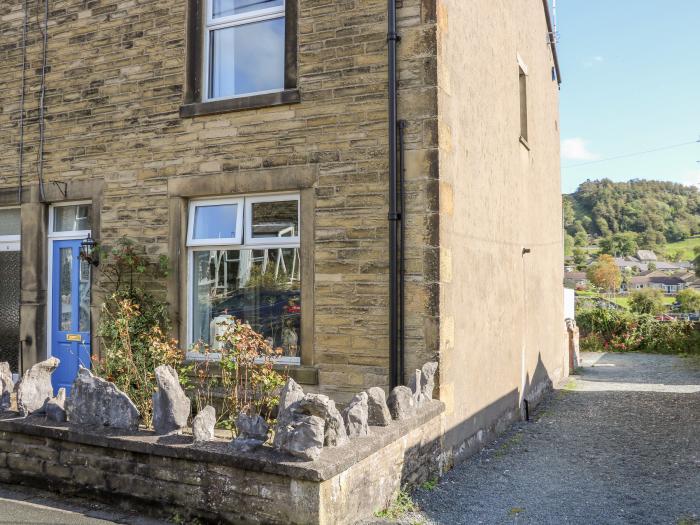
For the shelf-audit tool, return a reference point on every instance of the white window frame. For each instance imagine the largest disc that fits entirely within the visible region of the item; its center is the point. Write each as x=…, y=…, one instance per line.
x=78, y=234
x=11, y=243
x=224, y=241
x=292, y=241
x=212, y=24
x=269, y=243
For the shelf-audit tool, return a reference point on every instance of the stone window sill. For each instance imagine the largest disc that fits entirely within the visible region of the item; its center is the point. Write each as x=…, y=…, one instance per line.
x=302, y=374
x=196, y=109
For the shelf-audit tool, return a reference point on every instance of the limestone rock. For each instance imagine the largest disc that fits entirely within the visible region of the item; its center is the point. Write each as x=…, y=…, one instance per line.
x=35, y=387
x=290, y=396
x=203, y=424
x=55, y=407
x=97, y=402
x=423, y=383
x=378, y=411
x=6, y=386
x=415, y=386
x=171, y=406
x=245, y=445
x=356, y=415
x=305, y=437
x=428, y=378
x=252, y=427
x=322, y=406
x=401, y=403
x=291, y=393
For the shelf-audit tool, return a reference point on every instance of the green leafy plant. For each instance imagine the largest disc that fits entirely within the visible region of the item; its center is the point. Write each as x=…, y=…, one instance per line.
x=609, y=330
x=401, y=505
x=430, y=484
x=133, y=326
x=247, y=378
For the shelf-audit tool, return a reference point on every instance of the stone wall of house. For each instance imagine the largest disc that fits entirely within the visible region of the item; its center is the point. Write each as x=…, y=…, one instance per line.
x=173, y=478
x=114, y=84
x=501, y=254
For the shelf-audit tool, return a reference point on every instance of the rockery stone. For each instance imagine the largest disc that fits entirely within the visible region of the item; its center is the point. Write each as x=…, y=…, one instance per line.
x=6, y=386
x=99, y=403
x=401, y=403
x=55, y=408
x=290, y=396
x=356, y=415
x=305, y=437
x=171, y=406
x=378, y=411
x=252, y=427
x=203, y=425
x=35, y=387
x=322, y=406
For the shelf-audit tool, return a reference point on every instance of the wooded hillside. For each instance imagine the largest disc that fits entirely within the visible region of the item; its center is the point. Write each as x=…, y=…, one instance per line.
x=655, y=212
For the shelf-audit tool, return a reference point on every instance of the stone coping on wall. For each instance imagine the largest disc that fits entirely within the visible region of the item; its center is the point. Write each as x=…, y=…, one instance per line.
x=333, y=460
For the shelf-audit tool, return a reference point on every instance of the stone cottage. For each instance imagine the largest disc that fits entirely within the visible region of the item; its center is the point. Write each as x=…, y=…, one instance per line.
x=371, y=184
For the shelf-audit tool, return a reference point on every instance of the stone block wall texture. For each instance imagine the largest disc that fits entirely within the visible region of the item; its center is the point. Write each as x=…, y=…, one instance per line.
x=345, y=486
x=475, y=196
x=114, y=84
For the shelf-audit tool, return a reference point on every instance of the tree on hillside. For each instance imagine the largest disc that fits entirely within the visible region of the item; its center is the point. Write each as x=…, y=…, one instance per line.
x=659, y=212
x=568, y=245
x=580, y=259
x=581, y=239
x=688, y=301
x=605, y=274
x=619, y=244
x=647, y=301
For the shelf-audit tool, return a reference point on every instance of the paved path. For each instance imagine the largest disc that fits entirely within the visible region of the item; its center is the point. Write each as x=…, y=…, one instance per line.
x=619, y=444
x=20, y=505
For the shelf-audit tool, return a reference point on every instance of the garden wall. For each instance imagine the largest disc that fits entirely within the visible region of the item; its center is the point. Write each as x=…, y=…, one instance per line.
x=168, y=477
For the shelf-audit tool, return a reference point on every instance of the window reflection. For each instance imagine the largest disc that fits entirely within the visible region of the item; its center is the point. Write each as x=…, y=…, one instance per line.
x=84, y=297
x=260, y=287
x=275, y=219
x=72, y=218
x=65, y=314
x=221, y=8
x=215, y=221
x=247, y=59
x=9, y=221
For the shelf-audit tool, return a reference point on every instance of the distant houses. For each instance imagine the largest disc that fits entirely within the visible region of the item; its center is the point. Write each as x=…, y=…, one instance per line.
x=668, y=284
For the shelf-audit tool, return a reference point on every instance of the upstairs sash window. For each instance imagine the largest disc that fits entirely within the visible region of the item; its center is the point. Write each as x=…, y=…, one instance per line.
x=244, y=48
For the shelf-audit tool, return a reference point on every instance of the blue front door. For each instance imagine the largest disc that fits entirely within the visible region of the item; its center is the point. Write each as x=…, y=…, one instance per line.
x=70, y=312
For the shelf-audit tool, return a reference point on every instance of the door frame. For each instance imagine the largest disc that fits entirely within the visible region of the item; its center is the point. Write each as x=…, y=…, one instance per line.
x=51, y=237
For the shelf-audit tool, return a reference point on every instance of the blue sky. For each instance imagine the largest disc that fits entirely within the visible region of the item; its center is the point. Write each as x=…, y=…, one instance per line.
x=631, y=83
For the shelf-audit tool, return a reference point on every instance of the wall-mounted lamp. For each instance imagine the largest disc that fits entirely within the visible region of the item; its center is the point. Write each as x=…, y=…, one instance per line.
x=88, y=251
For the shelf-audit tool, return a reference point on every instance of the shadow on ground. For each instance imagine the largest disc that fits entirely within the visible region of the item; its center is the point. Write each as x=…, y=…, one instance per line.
x=618, y=444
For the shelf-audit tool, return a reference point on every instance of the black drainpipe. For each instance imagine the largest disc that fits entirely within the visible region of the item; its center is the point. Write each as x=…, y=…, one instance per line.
x=402, y=251
x=395, y=365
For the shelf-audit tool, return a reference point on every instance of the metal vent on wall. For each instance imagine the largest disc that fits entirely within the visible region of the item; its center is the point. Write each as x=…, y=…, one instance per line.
x=9, y=308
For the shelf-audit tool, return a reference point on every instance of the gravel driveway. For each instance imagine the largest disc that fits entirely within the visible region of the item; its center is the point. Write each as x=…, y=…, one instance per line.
x=620, y=443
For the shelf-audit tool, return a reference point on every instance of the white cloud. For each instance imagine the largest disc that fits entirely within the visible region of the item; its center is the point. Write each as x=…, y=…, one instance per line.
x=577, y=149
x=592, y=61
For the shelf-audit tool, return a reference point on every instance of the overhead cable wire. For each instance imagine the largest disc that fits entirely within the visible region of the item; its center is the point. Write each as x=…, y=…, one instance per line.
x=629, y=155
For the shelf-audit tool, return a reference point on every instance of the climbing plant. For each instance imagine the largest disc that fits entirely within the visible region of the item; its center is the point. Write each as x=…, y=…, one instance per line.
x=134, y=325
